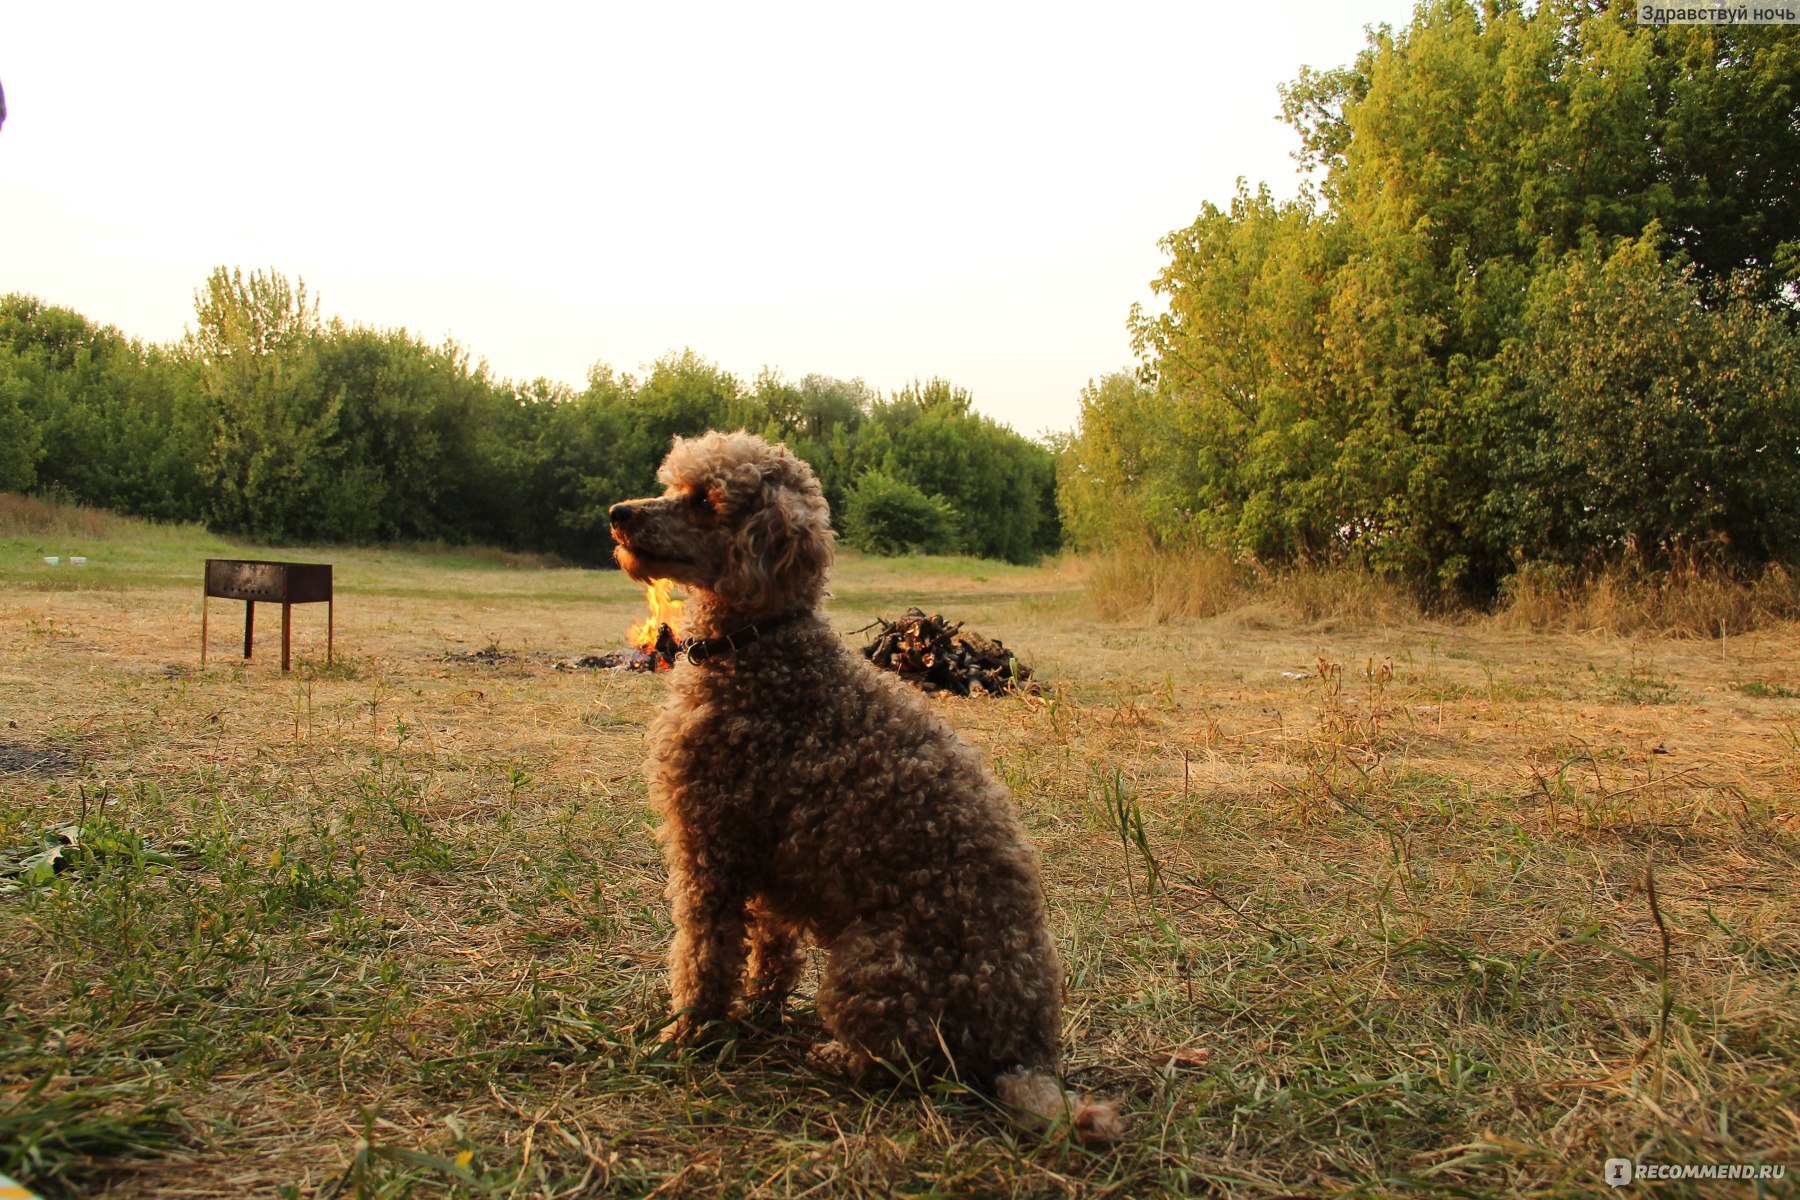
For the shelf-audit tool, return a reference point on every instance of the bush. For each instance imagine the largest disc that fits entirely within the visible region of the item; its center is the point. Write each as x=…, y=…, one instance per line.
x=884, y=515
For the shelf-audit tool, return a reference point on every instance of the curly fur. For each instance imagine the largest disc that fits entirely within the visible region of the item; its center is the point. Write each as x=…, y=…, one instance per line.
x=804, y=794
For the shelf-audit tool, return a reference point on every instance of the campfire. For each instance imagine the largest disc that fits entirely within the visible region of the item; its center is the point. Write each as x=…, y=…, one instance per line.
x=935, y=656
x=654, y=644
x=654, y=638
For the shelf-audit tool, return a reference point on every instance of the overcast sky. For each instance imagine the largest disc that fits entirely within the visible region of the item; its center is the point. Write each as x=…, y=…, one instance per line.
x=877, y=191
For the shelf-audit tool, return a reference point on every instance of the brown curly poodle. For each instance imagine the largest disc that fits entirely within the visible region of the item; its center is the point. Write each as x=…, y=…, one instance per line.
x=803, y=793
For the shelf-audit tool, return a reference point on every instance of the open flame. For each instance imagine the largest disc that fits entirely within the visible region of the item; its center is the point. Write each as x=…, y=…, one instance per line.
x=656, y=635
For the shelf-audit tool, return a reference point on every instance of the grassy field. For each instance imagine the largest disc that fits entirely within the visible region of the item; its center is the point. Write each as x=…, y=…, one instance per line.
x=1344, y=907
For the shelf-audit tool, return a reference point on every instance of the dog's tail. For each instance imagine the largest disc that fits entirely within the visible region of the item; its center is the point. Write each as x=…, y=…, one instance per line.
x=1038, y=1098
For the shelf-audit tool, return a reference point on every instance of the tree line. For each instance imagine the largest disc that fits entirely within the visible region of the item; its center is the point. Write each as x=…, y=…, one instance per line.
x=1533, y=309
x=267, y=421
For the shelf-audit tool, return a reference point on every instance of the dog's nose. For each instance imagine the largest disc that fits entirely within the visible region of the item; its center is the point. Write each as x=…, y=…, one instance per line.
x=619, y=515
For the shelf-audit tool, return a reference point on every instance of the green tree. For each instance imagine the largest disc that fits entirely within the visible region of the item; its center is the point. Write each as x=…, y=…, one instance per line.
x=1104, y=471
x=1496, y=126
x=684, y=395
x=132, y=434
x=254, y=347
x=108, y=421
x=819, y=419
x=591, y=456
x=1633, y=418
x=1243, y=446
x=402, y=460
x=1341, y=376
x=999, y=485
x=19, y=447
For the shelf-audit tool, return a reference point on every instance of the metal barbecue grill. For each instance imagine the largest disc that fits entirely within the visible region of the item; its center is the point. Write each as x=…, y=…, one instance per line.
x=283, y=583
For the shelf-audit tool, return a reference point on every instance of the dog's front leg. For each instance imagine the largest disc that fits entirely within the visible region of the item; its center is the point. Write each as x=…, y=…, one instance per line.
x=776, y=961
x=706, y=960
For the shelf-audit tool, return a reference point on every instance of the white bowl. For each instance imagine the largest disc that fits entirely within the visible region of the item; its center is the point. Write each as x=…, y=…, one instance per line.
x=52, y=559
x=78, y=559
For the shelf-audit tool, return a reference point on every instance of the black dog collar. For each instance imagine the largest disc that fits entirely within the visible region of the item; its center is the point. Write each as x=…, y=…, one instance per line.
x=706, y=649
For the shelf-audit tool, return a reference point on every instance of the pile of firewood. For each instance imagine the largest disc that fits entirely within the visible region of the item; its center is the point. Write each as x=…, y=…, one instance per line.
x=935, y=656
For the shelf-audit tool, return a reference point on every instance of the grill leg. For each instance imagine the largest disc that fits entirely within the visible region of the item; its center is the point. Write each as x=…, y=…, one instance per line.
x=287, y=625
x=249, y=624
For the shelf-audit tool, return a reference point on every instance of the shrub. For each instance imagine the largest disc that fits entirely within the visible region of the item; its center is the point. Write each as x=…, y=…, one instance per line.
x=885, y=515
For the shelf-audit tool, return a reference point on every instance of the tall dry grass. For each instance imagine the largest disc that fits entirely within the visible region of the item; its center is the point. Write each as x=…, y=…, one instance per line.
x=1312, y=594
x=1167, y=583
x=22, y=516
x=1692, y=598
x=1196, y=582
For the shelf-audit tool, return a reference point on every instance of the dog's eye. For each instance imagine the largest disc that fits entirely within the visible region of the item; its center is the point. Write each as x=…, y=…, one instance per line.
x=698, y=499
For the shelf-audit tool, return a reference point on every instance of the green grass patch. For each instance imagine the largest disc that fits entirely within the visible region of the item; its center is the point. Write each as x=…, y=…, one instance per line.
x=1759, y=690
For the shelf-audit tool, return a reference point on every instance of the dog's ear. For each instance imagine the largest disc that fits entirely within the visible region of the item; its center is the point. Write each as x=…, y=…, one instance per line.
x=781, y=549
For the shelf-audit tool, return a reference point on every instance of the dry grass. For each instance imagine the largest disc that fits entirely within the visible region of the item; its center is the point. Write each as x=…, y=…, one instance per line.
x=1691, y=599
x=1695, y=597
x=1166, y=584
x=1346, y=908
x=1313, y=594
x=1195, y=582
x=32, y=516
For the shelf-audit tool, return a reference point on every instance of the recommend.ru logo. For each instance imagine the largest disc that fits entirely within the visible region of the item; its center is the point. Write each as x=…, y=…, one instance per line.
x=1621, y=1171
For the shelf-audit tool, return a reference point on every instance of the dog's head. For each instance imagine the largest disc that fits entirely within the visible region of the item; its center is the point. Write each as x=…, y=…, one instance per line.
x=741, y=520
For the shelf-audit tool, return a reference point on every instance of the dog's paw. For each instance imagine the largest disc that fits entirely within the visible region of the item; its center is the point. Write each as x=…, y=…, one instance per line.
x=835, y=1058
x=1098, y=1123
x=688, y=1030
